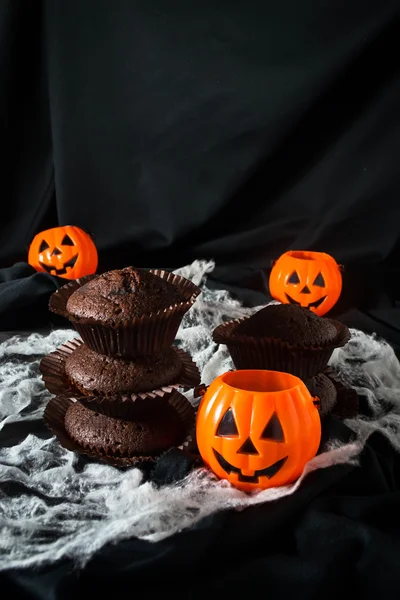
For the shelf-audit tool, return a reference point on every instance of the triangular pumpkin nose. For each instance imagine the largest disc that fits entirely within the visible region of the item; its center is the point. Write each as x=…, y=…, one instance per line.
x=56, y=251
x=248, y=448
x=305, y=290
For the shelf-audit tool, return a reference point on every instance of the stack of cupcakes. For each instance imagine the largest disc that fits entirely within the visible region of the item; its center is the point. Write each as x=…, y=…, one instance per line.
x=292, y=339
x=116, y=388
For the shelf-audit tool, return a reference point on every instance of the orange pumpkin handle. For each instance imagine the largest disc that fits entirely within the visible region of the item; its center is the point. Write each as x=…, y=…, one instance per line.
x=316, y=401
x=200, y=390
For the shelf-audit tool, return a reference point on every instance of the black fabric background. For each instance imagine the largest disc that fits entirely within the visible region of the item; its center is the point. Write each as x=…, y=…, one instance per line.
x=225, y=130
x=178, y=131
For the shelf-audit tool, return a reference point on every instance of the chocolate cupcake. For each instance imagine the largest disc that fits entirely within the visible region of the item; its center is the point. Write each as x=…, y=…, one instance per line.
x=321, y=387
x=117, y=296
x=289, y=323
x=97, y=374
x=74, y=369
x=347, y=404
x=126, y=313
x=148, y=429
x=150, y=434
x=282, y=337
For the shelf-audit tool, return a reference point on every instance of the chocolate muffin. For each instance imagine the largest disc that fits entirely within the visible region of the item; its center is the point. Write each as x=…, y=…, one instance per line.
x=128, y=312
x=117, y=296
x=152, y=432
x=282, y=337
x=289, y=323
x=347, y=403
x=322, y=387
x=97, y=374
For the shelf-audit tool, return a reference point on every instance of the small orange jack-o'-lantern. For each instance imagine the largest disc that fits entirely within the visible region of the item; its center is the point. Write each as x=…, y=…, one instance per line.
x=67, y=251
x=257, y=429
x=310, y=279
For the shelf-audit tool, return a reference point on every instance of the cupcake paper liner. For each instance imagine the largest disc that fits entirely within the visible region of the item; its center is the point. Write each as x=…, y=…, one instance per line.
x=124, y=407
x=52, y=368
x=248, y=352
x=149, y=334
x=54, y=417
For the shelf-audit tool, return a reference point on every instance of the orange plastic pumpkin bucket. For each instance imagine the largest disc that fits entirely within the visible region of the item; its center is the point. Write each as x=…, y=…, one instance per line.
x=67, y=252
x=310, y=279
x=257, y=428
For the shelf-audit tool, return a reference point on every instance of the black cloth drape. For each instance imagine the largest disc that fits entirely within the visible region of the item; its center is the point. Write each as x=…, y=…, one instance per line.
x=210, y=130
x=173, y=131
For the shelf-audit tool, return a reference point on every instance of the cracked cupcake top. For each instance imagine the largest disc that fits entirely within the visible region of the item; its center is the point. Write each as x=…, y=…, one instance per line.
x=123, y=294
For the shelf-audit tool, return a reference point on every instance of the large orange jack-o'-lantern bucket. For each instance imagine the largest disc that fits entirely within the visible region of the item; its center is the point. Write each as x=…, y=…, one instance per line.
x=257, y=428
x=67, y=252
x=310, y=279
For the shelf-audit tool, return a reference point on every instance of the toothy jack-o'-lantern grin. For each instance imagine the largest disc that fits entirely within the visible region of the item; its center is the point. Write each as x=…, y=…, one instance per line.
x=67, y=252
x=257, y=428
x=310, y=279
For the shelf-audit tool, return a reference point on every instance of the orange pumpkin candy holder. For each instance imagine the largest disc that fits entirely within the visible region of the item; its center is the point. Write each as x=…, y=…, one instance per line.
x=257, y=428
x=310, y=279
x=67, y=252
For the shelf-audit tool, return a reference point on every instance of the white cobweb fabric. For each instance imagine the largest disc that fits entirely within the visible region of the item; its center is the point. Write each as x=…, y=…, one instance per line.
x=61, y=512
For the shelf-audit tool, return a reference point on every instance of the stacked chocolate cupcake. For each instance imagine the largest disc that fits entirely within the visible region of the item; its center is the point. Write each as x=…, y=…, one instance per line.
x=292, y=339
x=116, y=388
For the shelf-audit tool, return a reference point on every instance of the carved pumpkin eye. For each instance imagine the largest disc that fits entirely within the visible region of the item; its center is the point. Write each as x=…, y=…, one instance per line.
x=273, y=430
x=319, y=280
x=294, y=278
x=43, y=246
x=67, y=241
x=227, y=425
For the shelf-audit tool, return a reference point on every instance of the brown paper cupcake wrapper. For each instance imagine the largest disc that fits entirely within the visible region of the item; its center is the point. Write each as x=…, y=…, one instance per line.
x=54, y=417
x=248, y=352
x=52, y=368
x=124, y=407
x=139, y=336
